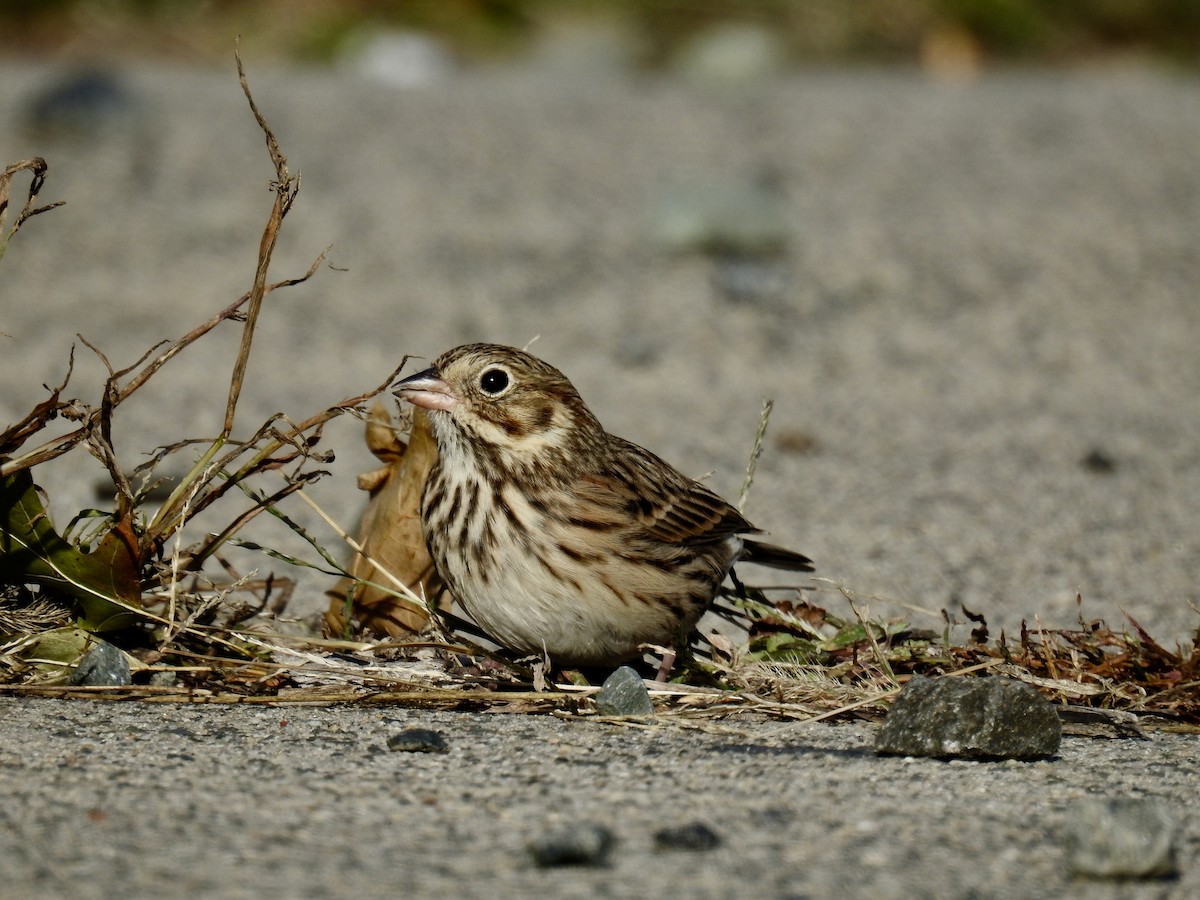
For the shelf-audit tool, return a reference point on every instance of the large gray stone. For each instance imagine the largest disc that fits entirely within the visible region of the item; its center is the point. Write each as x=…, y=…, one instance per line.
x=980, y=718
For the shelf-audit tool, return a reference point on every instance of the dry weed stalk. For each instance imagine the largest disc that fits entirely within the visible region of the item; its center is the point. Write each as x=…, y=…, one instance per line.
x=118, y=578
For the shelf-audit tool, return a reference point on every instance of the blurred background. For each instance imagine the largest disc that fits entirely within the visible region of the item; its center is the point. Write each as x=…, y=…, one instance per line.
x=648, y=33
x=955, y=240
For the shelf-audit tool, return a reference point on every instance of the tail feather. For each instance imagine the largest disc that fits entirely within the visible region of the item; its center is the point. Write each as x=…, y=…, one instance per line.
x=775, y=557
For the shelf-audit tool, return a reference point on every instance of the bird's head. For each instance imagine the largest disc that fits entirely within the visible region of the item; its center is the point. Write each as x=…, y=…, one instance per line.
x=488, y=399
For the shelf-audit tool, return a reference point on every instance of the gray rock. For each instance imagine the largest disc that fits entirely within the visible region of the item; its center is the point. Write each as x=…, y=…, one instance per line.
x=692, y=836
x=164, y=679
x=1121, y=837
x=732, y=57
x=743, y=217
x=578, y=844
x=399, y=59
x=82, y=105
x=981, y=718
x=624, y=694
x=104, y=664
x=752, y=278
x=418, y=740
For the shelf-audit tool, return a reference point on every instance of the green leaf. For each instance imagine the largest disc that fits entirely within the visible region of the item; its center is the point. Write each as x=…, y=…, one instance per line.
x=780, y=646
x=105, y=581
x=53, y=652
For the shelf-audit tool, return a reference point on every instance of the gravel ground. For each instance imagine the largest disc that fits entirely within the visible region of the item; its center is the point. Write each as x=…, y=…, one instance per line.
x=153, y=801
x=985, y=346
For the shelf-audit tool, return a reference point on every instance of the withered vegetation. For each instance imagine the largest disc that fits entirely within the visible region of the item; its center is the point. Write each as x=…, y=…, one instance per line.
x=129, y=577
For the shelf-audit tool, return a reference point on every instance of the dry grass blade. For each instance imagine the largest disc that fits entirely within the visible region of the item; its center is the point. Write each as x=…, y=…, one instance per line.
x=755, y=453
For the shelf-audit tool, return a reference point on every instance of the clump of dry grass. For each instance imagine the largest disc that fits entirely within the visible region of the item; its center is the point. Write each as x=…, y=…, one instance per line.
x=124, y=574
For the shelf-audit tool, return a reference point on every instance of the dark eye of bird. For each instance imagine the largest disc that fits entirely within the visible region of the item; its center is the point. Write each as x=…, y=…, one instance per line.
x=493, y=381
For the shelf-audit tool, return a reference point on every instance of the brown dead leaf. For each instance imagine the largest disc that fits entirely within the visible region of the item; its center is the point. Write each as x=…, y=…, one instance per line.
x=390, y=534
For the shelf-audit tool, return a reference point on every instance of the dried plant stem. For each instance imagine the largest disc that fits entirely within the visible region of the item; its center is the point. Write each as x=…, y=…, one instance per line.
x=286, y=186
x=198, y=332
x=755, y=452
x=56, y=447
x=401, y=588
x=37, y=167
x=880, y=656
x=173, y=585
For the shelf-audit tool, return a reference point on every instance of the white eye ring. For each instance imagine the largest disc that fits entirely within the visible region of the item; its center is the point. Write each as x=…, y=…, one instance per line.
x=495, y=381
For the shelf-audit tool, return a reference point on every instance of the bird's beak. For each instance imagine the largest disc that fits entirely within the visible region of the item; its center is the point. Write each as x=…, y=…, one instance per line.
x=426, y=389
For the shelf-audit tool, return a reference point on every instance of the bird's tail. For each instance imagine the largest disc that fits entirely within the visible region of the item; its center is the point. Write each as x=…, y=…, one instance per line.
x=775, y=557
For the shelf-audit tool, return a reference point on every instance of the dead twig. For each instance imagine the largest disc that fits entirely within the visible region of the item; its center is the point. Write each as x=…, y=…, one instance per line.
x=37, y=167
x=285, y=186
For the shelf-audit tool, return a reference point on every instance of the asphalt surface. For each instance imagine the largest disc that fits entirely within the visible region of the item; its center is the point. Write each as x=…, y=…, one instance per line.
x=983, y=358
x=169, y=801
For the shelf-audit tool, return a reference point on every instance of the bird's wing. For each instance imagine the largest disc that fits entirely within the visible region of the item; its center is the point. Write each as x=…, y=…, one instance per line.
x=662, y=504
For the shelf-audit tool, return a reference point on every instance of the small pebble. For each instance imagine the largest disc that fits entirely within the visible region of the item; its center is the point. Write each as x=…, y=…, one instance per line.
x=749, y=278
x=624, y=694
x=743, y=218
x=730, y=57
x=692, y=836
x=1099, y=462
x=82, y=104
x=580, y=844
x=1121, y=837
x=103, y=665
x=418, y=740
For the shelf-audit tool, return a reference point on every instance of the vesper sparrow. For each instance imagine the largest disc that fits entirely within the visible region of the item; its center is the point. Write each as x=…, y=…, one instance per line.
x=559, y=538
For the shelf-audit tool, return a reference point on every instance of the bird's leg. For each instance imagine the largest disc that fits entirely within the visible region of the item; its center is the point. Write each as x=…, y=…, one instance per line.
x=680, y=651
x=664, y=667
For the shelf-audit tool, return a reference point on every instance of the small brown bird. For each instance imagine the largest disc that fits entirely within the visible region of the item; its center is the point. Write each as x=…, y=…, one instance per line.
x=557, y=537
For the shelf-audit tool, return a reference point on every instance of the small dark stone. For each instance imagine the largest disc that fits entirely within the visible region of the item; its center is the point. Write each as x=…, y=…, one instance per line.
x=976, y=718
x=692, y=836
x=418, y=740
x=81, y=104
x=624, y=694
x=579, y=844
x=104, y=664
x=747, y=278
x=1099, y=462
x=1121, y=837
x=164, y=679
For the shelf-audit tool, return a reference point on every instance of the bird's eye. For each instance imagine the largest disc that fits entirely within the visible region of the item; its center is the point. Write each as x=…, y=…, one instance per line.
x=494, y=381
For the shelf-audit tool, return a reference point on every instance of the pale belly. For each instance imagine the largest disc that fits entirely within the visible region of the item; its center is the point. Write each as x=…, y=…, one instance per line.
x=573, y=616
x=578, y=596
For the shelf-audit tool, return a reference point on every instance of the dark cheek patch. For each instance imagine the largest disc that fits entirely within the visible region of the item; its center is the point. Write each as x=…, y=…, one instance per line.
x=519, y=419
x=512, y=427
x=543, y=415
